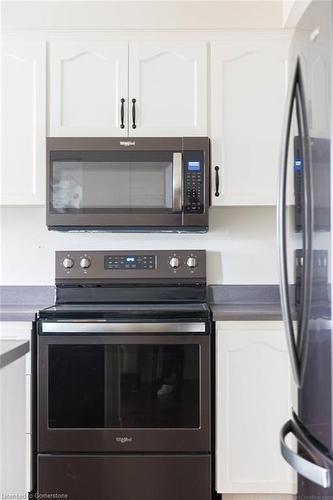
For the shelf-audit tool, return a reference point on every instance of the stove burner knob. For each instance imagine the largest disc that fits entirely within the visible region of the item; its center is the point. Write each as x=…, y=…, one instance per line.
x=192, y=262
x=85, y=262
x=68, y=263
x=174, y=262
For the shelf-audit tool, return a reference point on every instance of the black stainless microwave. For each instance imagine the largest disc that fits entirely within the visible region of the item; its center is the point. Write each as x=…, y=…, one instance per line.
x=117, y=184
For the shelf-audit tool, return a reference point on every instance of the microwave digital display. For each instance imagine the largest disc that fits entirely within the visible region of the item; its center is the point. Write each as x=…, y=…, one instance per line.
x=193, y=165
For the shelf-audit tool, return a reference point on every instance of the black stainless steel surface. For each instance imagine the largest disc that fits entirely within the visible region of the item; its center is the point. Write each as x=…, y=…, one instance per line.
x=124, y=376
x=156, y=267
x=141, y=184
x=305, y=246
x=145, y=477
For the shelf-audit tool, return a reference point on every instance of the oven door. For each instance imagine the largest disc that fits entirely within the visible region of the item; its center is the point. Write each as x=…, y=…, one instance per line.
x=108, y=387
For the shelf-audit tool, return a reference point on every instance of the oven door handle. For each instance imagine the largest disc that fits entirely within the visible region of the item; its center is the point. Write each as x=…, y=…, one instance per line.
x=128, y=328
x=177, y=184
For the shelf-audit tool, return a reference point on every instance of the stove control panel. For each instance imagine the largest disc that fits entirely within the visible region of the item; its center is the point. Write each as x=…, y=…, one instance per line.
x=131, y=266
x=129, y=261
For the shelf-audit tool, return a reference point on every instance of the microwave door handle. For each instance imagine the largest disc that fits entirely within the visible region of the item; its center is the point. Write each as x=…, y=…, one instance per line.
x=177, y=185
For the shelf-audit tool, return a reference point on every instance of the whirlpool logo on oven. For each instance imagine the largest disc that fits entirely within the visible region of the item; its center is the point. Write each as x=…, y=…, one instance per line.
x=124, y=439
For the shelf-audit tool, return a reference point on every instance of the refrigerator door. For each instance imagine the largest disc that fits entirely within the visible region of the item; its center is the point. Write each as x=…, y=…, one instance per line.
x=312, y=46
x=311, y=345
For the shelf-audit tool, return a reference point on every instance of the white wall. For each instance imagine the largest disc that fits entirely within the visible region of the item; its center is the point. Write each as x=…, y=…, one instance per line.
x=241, y=245
x=127, y=15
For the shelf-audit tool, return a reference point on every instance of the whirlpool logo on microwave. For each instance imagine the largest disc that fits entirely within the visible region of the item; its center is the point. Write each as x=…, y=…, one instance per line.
x=124, y=439
x=127, y=143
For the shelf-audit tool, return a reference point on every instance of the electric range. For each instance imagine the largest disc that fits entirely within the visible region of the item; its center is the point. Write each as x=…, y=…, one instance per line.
x=123, y=371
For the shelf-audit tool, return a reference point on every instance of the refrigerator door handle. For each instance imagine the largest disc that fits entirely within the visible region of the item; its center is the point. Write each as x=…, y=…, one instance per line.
x=281, y=236
x=318, y=474
x=303, y=343
x=297, y=349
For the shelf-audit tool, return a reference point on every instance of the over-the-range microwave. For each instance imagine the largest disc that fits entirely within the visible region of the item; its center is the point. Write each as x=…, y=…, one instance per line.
x=119, y=184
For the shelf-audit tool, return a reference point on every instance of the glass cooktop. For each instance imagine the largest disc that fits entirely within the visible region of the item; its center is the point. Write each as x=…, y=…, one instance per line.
x=126, y=311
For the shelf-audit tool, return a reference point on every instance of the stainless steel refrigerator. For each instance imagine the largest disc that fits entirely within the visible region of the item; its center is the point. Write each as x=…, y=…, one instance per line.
x=305, y=243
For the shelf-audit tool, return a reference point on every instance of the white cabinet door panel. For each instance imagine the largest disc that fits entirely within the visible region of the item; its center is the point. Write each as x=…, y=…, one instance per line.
x=13, y=423
x=254, y=399
x=87, y=82
x=248, y=92
x=23, y=123
x=168, y=80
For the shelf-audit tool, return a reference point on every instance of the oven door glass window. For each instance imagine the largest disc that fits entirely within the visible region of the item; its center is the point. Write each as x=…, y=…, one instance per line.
x=124, y=386
x=105, y=182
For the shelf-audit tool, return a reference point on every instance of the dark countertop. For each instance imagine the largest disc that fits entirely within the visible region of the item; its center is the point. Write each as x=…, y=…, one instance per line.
x=221, y=312
x=245, y=302
x=20, y=303
x=228, y=302
x=19, y=312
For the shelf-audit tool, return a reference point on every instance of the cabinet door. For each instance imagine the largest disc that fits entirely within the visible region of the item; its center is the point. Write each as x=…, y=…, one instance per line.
x=248, y=92
x=14, y=459
x=23, y=123
x=254, y=398
x=168, y=81
x=87, y=82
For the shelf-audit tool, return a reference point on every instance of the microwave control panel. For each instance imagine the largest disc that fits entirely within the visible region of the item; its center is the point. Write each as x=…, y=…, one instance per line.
x=194, y=190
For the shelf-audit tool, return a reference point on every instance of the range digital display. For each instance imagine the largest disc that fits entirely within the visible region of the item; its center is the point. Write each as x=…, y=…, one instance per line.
x=193, y=166
x=129, y=262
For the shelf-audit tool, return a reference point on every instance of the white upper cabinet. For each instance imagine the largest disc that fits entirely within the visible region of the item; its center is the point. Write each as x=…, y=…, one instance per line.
x=87, y=82
x=248, y=93
x=254, y=397
x=22, y=123
x=168, y=81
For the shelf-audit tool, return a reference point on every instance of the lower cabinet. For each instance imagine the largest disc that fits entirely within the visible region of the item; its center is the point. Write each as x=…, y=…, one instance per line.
x=254, y=396
x=15, y=432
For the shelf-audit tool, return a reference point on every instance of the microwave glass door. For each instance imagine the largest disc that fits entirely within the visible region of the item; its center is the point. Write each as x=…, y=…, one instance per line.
x=110, y=182
x=119, y=386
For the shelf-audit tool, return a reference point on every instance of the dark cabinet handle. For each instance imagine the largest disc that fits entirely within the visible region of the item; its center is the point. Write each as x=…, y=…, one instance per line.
x=122, y=113
x=217, y=181
x=133, y=113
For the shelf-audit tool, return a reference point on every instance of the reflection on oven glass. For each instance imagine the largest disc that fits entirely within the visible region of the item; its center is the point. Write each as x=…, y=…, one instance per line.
x=124, y=386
